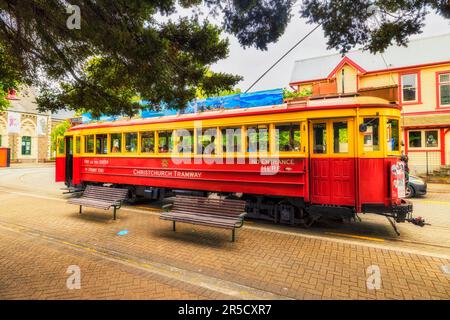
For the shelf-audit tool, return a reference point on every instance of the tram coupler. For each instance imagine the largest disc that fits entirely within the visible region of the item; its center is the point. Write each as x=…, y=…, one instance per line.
x=419, y=221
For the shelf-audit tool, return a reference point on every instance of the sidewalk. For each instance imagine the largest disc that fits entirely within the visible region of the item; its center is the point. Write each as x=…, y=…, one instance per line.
x=28, y=165
x=282, y=264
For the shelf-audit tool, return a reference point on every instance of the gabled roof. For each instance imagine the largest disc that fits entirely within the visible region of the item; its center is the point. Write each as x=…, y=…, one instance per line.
x=25, y=102
x=419, y=52
x=344, y=61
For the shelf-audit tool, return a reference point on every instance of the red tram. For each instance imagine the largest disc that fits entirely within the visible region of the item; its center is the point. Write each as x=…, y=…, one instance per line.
x=292, y=163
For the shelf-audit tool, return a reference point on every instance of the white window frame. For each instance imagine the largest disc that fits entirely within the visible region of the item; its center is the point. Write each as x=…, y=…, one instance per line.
x=416, y=75
x=439, y=87
x=423, y=140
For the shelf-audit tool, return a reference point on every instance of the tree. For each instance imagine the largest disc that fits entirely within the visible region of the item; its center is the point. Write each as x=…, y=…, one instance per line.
x=202, y=94
x=58, y=131
x=123, y=49
x=10, y=78
x=374, y=24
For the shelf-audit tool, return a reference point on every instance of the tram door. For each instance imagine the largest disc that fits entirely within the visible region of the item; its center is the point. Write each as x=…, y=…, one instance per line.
x=69, y=160
x=332, y=161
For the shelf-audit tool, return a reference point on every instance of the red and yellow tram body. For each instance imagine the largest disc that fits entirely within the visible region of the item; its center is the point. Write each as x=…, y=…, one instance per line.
x=325, y=153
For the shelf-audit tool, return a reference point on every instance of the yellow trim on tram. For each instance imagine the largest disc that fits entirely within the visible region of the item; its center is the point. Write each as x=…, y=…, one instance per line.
x=371, y=144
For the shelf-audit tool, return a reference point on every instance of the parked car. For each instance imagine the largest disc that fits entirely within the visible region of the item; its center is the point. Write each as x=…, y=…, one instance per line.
x=416, y=187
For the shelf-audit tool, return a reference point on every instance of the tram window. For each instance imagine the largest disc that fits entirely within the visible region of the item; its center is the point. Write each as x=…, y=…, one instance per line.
x=258, y=138
x=372, y=134
x=101, y=143
x=231, y=139
x=206, y=141
x=61, y=145
x=319, y=138
x=148, y=142
x=185, y=141
x=393, y=135
x=78, y=145
x=165, y=142
x=288, y=137
x=340, y=137
x=131, y=142
x=116, y=143
x=89, y=143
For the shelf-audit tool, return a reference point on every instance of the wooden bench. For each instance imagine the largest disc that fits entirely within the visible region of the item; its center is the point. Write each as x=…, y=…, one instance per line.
x=220, y=213
x=101, y=198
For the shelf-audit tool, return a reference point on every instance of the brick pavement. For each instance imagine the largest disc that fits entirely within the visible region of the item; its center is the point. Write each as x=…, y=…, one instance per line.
x=285, y=264
x=36, y=269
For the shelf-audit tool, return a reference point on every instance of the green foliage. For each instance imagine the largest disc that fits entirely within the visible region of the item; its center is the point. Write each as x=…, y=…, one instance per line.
x=374, y=24
x=288, y=138
x=58, y=131
x=121, y=51
x=343, y=135
x=287, y=94
x=9, y=77
x=202, y=94
x=256, y=22
x=124, y=48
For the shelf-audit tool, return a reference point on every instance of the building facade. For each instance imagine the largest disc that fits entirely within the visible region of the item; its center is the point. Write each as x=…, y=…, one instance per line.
x=26, y=131
x=416, y=77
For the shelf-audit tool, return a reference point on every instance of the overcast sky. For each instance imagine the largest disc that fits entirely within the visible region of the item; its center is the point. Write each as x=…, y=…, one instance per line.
x=251, y=63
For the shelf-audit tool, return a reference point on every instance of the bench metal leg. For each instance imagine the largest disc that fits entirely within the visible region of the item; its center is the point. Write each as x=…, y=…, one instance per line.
x=174, y=229
x=115, y=212
x=80, y=209
x=233, y=235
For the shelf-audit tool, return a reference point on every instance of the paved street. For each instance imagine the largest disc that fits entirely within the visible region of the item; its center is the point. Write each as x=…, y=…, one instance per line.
x=41, y=236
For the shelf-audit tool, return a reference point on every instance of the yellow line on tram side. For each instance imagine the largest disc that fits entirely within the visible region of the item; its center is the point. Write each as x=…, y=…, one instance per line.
x=355, y=236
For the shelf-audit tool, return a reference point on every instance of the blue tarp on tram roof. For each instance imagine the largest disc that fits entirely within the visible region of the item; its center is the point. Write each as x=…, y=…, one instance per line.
x=241, y=100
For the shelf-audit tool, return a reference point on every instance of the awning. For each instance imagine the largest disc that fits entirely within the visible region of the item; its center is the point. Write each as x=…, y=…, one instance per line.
x=425, y=121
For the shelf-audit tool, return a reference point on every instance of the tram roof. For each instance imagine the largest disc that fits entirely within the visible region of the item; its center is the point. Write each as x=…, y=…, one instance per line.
x=304, y=105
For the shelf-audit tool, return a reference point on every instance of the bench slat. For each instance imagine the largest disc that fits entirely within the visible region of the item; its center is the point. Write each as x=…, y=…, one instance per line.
x=203, y=217
x=208, y=209
x=227, y=202
x=220, y=213
x=89, y=203
x=101, y=198
x=202, y=222
x=212, y=203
